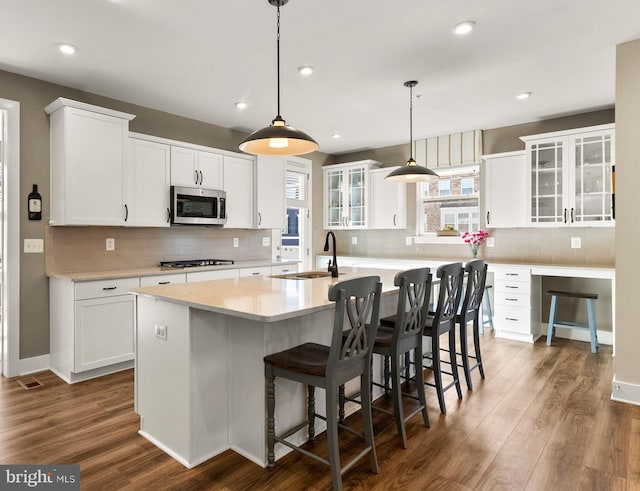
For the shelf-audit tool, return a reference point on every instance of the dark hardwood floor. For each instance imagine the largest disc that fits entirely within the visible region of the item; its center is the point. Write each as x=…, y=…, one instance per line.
x=541, y=420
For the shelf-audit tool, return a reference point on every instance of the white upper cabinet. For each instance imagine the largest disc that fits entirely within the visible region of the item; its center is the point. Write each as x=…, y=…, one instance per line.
x=238, y=184
x=88, y=153
x=147, y=184
x=346, y=194
x=505, y=178
x=196, y=168
x=270, y=192
x=569, y=177
x=387, y=201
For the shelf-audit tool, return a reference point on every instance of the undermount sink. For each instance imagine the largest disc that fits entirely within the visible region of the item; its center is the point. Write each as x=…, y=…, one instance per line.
x=304, y=275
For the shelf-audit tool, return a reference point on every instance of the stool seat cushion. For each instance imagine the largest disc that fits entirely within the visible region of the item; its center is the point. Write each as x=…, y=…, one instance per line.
x=309, y=358
x=560, y=293
x=388, y=321
x=384, y=338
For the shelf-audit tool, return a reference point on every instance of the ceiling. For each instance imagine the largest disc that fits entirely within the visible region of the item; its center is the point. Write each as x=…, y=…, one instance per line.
x=196, y=58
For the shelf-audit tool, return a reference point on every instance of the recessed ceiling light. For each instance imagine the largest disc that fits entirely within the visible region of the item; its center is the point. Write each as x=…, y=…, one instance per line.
x=464, y=27
x=335, y=136
x=305, y=70
x=523, y=95
x=241, y=105
x=67, y=49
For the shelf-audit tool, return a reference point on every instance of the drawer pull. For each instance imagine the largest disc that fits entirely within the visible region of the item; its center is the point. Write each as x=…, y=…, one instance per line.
x=255, y=273
x=163, y=282
x=512, y=274
x=512, y=287
x=511, y=299
x=511, y=319
x=106, y=288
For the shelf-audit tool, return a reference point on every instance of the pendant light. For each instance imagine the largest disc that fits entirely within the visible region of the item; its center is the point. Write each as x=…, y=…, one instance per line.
x=278, y=138
x=411, y=171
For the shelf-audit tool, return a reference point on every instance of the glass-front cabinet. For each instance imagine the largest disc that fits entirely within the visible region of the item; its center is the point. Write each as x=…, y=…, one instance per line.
x=346, y=194
x=570, y=175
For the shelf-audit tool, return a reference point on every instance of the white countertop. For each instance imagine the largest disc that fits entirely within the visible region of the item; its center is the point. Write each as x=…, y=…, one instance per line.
x=128, y=273
x=262, y=298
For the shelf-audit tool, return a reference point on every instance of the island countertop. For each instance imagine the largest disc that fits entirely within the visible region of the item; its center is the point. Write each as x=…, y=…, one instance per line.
x=262, y=298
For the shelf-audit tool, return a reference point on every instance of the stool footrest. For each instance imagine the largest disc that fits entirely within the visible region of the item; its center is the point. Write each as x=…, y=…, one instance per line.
x=572, y=325
x=560, y=293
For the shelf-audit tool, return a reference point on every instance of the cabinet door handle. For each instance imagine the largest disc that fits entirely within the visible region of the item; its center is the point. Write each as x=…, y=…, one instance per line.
x=195, y=172
x=107, y=288
x=163, y=282
x=126, y=213
x=571, y=215
x=394, y=219
x=564, y=213
x=201, y=178
x=488, y=218
x=259, y=218
x=168, y=215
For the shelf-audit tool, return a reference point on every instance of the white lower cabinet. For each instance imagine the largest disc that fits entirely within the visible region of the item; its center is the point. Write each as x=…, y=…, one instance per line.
x=92, y=327
x=220, y=274
x=257, y=271
x=516, y=303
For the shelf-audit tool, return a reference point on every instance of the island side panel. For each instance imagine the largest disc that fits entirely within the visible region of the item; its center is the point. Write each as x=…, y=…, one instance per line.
x=162, y=376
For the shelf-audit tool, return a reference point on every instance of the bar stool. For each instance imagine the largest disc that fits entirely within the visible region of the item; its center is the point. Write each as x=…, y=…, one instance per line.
x=487, y=314
x=329, y=367
x=589, y=326
x=442, y=322
x=476, y=272
x=397, y=343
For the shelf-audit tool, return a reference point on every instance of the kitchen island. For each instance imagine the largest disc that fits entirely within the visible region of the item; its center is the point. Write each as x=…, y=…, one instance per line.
x=199, y=385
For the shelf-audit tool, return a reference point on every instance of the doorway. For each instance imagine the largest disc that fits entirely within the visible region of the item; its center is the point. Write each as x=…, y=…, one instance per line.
x=10, y=237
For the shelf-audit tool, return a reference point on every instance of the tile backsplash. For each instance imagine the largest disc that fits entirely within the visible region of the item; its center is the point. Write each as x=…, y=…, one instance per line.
x=77, y=249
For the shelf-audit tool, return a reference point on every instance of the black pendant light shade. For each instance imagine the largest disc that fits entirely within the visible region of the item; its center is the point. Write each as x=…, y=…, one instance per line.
x=411, y=171
x=278, y=138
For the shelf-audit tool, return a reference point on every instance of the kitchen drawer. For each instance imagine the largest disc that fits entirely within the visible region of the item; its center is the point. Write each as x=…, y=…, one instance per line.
x=511, y=286
x=220, y=274
x=512, y=319
x=284, y=269
x=512, y=299
x=260, y=271
x=105, y=288
x=512, y=274
x=163, y=279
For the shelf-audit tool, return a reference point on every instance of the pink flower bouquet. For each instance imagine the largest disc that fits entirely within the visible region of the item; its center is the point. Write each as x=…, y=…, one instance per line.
x=475, y=240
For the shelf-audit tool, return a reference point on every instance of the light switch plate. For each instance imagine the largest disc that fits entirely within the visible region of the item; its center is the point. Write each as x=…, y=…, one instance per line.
x=576, y=242
x=235, y=242
x=408, y=240
x=110, y=244
x=33, y=246
x=490, y=242
x=266, y=241
x=160, y=331
x=354, y=240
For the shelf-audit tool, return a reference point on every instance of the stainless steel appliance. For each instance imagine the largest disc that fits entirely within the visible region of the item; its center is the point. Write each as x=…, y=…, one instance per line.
x=192, y=263
x=198, y=206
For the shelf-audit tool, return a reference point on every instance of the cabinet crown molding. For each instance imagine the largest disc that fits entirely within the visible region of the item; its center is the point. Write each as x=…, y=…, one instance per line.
x=61, y=102
x=574, y=131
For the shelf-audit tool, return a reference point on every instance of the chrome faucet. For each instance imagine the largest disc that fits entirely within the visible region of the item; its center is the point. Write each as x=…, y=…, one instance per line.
x=332, y=267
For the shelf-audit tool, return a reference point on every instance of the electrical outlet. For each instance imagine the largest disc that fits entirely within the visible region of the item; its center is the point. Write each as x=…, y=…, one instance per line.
x=266, y=241
x=111, y=244
x=490, y=242
x=354, y=240
x=408, y=240
x=160, y=331
x=576, y=242
x=33, y=245
x=236, y=242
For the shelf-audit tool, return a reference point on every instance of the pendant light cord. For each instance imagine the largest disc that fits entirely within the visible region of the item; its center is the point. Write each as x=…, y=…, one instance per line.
x=278, y=59
x=411, y=121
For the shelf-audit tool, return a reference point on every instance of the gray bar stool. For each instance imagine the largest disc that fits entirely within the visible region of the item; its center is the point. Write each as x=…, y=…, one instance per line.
x=589, y=326
x=329, y=367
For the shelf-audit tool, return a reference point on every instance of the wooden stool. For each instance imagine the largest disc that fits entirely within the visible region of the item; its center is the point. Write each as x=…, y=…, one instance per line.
x=487, y=315
x=590, y=326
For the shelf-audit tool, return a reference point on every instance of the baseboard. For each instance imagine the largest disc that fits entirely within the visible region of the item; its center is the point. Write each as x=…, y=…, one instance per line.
x=604, y=337
x=515, y=336
x=625, y=392
x=34, y=364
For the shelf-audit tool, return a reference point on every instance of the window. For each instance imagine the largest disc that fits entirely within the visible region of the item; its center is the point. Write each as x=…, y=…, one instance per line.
x=451, y=200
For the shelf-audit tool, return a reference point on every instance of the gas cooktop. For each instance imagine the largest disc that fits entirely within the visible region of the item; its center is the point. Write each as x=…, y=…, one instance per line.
x=192, y=263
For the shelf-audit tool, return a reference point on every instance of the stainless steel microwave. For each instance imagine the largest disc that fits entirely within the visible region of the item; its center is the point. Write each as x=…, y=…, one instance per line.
x=198, y=206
